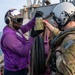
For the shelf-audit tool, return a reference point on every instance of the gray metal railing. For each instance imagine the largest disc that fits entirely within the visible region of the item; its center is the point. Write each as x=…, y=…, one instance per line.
x=67, y=0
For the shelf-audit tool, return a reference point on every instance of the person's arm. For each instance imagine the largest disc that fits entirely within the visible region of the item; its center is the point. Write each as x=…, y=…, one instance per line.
x=28, y=26
x=53, y=29
x=12, y=43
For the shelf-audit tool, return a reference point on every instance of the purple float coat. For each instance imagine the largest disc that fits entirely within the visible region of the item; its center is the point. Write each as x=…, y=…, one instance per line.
x=15, y=47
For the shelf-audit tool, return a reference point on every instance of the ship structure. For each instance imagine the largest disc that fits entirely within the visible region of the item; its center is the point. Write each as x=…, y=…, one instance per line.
x=41, y=47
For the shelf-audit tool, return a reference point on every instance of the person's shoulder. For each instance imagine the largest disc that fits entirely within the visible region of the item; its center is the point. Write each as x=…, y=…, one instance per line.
x=69, y=37
x=68, y=41
x=8, y=34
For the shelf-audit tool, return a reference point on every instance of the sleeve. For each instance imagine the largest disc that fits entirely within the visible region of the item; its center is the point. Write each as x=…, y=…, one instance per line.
x=56, y=31
x=28, y=26
x=15, y=45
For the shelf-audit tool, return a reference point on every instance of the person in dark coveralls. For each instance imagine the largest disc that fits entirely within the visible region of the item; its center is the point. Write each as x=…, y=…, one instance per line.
x=64, y=41
x=14, y=45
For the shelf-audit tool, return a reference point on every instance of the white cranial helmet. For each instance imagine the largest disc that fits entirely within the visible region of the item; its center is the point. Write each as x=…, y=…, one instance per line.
x=62, y=12
x=13, y=15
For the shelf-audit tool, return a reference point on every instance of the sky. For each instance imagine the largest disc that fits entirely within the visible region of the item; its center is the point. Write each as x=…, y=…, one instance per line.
x=5, y=5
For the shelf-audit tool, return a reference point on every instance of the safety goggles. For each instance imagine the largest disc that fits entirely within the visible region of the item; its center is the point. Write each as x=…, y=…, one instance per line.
x=18, y=20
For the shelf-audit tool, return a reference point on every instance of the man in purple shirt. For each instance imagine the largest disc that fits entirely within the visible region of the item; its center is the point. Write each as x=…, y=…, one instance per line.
x=14, y=45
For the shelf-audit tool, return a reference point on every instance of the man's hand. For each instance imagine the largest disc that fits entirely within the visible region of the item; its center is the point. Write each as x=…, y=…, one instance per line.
x=35, y=33
x=38, y=14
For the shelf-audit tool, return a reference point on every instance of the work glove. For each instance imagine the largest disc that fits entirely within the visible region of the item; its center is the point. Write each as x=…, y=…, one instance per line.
x=35, y=33
x=38, y=14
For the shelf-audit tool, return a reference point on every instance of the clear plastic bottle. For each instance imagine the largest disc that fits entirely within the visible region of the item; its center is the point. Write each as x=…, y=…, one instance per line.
x=39, y=24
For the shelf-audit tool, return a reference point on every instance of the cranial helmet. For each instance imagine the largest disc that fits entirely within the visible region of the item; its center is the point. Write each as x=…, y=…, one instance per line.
x=13, y=15
x=64, y=13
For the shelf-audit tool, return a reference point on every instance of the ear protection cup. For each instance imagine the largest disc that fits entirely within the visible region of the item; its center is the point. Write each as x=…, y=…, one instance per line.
x=7, y=20
x=8, y=17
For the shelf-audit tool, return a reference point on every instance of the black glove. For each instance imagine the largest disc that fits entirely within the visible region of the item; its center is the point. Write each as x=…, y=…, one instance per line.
x=35, y=33
x=38, y=14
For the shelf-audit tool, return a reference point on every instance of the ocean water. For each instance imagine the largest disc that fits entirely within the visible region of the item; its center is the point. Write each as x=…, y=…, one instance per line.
x=1, y=52
x=0, y=34
x=0, y=48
